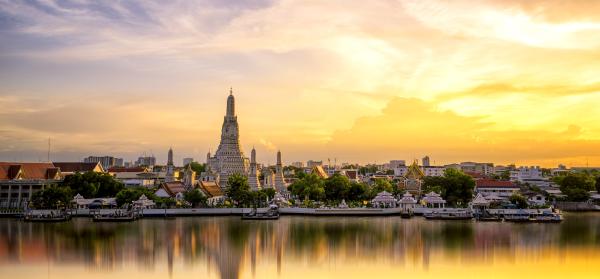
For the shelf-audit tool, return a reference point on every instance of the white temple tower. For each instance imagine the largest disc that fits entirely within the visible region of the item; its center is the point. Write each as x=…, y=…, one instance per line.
x=170, y=175
x=229, y=158
x=253, y=176
x=280, y=185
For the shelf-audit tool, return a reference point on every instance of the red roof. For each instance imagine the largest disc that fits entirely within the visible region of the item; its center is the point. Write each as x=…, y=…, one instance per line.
x=491, y=183
x=173, y=188
x=9, y=170
x=76, y=166
x=475, y=175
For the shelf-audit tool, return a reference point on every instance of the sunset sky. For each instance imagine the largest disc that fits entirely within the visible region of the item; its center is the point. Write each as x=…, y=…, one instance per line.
x=500, y=81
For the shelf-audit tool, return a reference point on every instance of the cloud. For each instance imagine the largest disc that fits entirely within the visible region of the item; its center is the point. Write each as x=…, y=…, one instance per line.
x=411, y=128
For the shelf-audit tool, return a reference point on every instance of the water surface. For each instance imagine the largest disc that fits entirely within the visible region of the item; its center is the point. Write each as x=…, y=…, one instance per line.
x=300, y=247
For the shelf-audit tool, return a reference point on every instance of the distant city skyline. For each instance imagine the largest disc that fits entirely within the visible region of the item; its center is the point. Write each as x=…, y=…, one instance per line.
x=486, y=81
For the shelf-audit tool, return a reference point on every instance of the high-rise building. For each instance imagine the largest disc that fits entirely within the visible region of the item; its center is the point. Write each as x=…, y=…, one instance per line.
x=147, y=161
x=229, y=158
x=106, y=161
x=425, y=161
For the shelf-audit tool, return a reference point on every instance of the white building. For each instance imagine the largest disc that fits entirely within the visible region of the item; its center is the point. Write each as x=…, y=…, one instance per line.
x=496, y=188
x=531, y=175
x=433, y=170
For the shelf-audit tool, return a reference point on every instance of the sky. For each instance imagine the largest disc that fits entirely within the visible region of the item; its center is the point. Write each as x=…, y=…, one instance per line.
x=502, y=81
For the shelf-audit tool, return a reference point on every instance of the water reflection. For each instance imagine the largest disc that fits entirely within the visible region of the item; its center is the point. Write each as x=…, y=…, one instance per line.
x=226, y=247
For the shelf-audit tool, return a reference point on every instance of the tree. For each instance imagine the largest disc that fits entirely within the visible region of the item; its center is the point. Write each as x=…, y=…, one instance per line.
x=598, y=183
x=238, y=189
x=93, y=184
x=197, y=167
x=195, y=197
x=455, y=186
x=358, y=191
x=52, y=197
x=311, y=187
x=128, y=195
x=337, y=187
x=381, y=185
x=518, y=200
x=576, y=185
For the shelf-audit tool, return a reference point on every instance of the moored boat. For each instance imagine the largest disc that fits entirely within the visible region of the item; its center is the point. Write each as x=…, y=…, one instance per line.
x=517, y=218
x=47, y=217
x=117, y=216
x=271, y=214
x=547, y=217
x=449, y=215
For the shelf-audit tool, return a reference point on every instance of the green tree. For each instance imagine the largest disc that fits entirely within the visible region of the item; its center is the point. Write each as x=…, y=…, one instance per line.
x=93, y=184
x=337, y=187
x=455, y=186
x=52, y=197
x=195, y=197
x=238, y=189
x=358, y=192
x=311, y=187
x=128, y=195
x=576, y=185
x=518, y=200
x=197, y=167
x=598, y=183
x=381, y=185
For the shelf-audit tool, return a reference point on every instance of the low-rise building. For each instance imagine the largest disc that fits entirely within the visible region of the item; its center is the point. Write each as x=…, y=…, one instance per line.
x=496, y=188
x=18, y=181
x=68, y=168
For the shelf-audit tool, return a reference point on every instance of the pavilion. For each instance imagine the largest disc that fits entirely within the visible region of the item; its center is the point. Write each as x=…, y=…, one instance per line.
x=384, y=200
x=433, y=200
x=407, y=201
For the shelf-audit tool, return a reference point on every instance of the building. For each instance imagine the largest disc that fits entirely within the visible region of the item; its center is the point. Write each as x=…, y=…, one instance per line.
x=299, y=165
x=68, y=168
x=531, y=175
x=148, y=161
x=106, y=161
x=425, y=161
x=229, y=158
x=433, y=170
x=396, y=164
x=495, y=189
x=18, y=181
x=311, y=164
x=170, y=176
x=413, y=179
x=187, y=161
x=482, y=168
x=280, y=184
x=174, y=189
x=253, y=179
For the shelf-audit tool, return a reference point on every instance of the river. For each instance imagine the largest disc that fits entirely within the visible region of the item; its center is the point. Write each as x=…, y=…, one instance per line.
x=300, y=247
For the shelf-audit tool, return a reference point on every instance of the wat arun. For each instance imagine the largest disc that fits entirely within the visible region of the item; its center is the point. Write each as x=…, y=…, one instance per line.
x=229, y=158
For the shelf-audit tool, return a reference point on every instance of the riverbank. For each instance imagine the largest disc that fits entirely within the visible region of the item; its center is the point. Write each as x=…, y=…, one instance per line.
x=182, y=212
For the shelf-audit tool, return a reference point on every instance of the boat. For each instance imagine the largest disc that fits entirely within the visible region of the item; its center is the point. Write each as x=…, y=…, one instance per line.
x=517, y=218
x=271, y=214
x=117, y=216
x=546, y=217
x=449, y=215
x=60, y=216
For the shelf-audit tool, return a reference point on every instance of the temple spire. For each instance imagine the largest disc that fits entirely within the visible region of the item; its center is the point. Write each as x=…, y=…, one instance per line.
x=231, y=104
